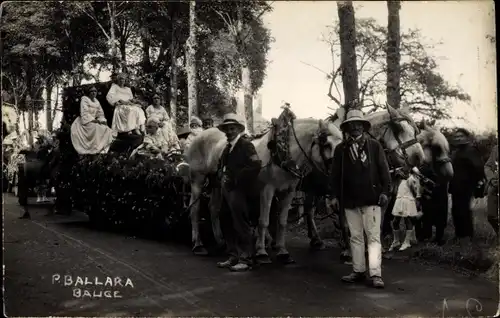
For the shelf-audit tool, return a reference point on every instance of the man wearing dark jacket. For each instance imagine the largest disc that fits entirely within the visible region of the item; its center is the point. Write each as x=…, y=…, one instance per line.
x=361, y=182
x=239, y=166
x=469, y=171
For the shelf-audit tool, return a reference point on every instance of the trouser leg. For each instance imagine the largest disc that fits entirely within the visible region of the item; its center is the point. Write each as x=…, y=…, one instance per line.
x=227, y=229
x=238, y=206
x=462, y=215
x=440, y=214
x=372, y=217
x=357, y=239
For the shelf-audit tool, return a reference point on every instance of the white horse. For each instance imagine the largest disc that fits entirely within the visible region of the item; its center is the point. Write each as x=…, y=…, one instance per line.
x=436, y=150
x=311, y=142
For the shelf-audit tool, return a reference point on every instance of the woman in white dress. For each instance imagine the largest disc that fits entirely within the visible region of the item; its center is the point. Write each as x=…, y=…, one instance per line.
x=90, y=133
x=159, y=113
x=128, y=116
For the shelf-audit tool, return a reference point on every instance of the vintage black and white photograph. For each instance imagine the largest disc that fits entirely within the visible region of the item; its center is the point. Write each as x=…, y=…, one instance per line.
x=219, y=158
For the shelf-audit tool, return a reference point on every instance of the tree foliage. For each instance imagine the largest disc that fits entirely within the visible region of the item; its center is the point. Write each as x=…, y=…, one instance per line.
x=422, y=86
x=66, y=40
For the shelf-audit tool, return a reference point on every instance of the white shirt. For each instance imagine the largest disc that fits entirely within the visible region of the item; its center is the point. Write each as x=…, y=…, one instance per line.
x=234, y=141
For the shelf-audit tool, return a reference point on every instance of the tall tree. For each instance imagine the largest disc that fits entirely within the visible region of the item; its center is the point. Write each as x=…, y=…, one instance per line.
x=349, y=70
x=422, y=87
x=393, y=54
x=191, y=47
x=107, y=22
x=241, y=21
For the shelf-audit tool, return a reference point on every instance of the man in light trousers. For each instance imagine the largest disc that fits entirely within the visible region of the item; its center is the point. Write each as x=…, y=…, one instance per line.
x=361, y=180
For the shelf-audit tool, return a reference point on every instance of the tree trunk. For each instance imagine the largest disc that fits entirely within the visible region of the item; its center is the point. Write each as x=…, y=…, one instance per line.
x=112, y=36
x=243, y=106
x=123, y=52
x=191, y=63
x=56, y=105
x=49, y=87
x=348, y=54
x=173, y=78
x=30, y=125
x=146, y=45
x=246, y=82
x=393, y=54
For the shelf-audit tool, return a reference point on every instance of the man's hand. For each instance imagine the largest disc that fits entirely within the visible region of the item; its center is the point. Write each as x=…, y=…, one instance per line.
x=333, y=203
x=383, y=200
x=225, y=179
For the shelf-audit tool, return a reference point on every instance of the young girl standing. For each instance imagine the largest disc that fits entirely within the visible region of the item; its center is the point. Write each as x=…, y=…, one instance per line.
x=407, y=208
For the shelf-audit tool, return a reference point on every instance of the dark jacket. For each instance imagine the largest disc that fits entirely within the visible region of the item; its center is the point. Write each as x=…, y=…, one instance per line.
x=242, y=166
x=357, y=184
x=468, y=168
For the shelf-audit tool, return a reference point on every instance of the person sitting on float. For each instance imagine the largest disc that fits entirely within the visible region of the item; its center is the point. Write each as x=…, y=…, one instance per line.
x=153, y=146
x=208, y=122
x=196, y=129
x=128, y=116
x=158, y=112
x=90, y=133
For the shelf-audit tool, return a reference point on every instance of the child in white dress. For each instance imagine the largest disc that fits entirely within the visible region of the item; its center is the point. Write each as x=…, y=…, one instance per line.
x=406, y=208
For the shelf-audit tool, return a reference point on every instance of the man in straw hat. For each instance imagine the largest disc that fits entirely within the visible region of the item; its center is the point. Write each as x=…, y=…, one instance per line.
x=239, y=166
x=361, y=179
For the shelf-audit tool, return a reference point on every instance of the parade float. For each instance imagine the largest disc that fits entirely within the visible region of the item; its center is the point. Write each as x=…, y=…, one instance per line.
x=114, y=190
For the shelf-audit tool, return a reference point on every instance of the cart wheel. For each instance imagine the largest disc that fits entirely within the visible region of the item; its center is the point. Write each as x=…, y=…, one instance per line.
x=22, y=187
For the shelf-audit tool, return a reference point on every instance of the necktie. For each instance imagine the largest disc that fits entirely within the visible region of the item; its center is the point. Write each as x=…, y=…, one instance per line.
x=356, y=151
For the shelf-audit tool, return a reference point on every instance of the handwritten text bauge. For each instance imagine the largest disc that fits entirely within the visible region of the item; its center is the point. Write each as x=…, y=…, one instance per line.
x=94, y=287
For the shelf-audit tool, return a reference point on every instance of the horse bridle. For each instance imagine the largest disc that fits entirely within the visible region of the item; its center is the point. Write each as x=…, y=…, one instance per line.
x=401, y=145
x=321, y=141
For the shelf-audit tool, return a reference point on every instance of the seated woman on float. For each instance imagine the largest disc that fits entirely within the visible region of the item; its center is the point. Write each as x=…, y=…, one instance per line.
x=128, y=116
x=166, y=129
x=90, y=133
x=154, y=145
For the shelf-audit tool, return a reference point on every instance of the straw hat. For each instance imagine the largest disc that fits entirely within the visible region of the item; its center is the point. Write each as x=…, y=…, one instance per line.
x=195, y=120
x=152, y=120
x=353, y=116
x=184, y=130
x=232, y=119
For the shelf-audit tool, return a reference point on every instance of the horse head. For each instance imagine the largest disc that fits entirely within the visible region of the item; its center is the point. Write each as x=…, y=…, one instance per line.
x=436, y=151
x=397, y=132
x=315, y=142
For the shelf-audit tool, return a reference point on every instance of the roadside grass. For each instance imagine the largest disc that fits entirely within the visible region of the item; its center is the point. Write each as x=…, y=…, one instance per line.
x=482, y=256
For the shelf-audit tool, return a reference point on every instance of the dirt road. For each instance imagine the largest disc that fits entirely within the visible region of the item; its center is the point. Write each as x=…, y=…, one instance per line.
x=48, y=258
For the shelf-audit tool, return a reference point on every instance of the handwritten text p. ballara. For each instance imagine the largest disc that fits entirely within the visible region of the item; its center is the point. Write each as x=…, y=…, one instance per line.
x=93, y=287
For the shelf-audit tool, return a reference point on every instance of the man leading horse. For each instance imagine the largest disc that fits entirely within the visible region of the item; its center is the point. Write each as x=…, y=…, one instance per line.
x=361, y=181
